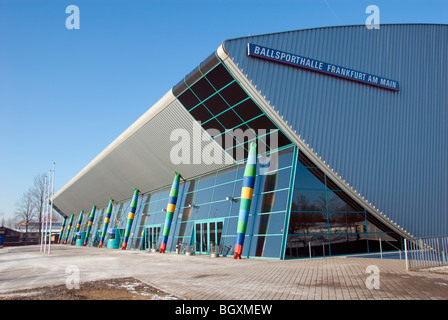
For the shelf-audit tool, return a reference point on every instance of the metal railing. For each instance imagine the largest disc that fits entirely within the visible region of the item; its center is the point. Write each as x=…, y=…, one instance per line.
x=426, y=252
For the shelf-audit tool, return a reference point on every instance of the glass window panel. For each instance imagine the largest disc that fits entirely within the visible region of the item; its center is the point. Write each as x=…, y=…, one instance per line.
x=271, y=201
x=238, y=186
x=226, y=175
x=233, y=93
x=216, y=104
x=228, y=244
x=284, y=178
x=247, y=110
x=154, y=207
x=202, y=89
x=188, y=99
x=243, y=134
x=200, y=113
x=339, y=201
x=159, y=218
x=232, y=224
x=306, y=179
x=268, y=223
x=265, y=246
x=262, y=122
x=343, y=222
x=203, y=196
x=308, y=222
x=239, y=153
x=304, y=246
x=198, y=237
x=202, y=212
x=219, y=77
x=207, y=181
x=285, y=157
x=228, y=141
x=164, y=194
x=309, y=200
x=347, y=243
x=220, y=209
x=223, y=191
x=268, y=182
x=213, y=125
x=282, y=140
x=229, y=119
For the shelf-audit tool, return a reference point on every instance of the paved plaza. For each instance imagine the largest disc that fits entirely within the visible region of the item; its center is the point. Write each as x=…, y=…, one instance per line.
x=222, y=278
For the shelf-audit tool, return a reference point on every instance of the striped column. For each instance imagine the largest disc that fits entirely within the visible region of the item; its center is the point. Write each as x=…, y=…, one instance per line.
x=106, y=223
x=130, y=219
x=68, y=228
x=78, y=225
x=246, y=198
x=62, y=230
x=89, y=224
x=170, y=211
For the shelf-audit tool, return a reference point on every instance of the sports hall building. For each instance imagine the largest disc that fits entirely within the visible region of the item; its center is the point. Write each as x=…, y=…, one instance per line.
x=350, y=126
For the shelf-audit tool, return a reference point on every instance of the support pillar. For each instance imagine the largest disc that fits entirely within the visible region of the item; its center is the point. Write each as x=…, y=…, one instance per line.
x=247, y=191
x=170, y=211
x=62, y=230
x=106, y=223
x=89, y=224
x=78, y=225
x=131, y=214
x=69, y=228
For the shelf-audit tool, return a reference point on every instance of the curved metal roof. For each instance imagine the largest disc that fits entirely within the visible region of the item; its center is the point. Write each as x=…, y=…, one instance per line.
x=390, y=147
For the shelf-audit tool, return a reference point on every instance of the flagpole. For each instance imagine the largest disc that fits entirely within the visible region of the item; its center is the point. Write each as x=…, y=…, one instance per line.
x=51, y=210
x=46, y=212
x=42, y=215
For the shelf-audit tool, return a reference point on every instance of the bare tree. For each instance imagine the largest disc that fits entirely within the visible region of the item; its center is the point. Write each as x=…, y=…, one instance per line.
x=38, y=193
x=26, y=210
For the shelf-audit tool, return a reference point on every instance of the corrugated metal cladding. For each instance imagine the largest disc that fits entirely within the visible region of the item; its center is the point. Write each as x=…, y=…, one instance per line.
x=392, y=147
x=141, y=161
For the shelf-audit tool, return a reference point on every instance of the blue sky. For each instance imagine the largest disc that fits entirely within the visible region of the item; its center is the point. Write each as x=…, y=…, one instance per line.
x=66, y=94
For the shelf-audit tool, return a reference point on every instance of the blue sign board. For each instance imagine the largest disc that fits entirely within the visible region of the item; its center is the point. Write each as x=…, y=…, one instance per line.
x=319, y=66
x=2, y=238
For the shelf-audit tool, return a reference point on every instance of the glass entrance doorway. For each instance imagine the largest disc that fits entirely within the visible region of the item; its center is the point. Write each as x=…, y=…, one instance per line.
x=207, y=234
x=151, y=237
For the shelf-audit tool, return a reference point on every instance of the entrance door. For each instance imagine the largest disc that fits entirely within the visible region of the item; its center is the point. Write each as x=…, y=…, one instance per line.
x=208, y=234
x=151, y=237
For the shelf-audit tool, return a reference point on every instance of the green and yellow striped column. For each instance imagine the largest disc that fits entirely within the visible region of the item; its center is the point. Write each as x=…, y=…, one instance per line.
x=62, y=230
x=246, y=198
x=68, y=228
x=106, y=222
x=131, y=214
x=89, y=224
x=78, y=225
x=170, y=211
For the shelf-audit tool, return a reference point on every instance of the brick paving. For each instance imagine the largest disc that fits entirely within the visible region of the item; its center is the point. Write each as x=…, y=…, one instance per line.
x=205, y=278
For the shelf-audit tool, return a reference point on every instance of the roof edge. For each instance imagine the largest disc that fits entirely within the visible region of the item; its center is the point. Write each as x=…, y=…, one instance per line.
x=331, y=27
